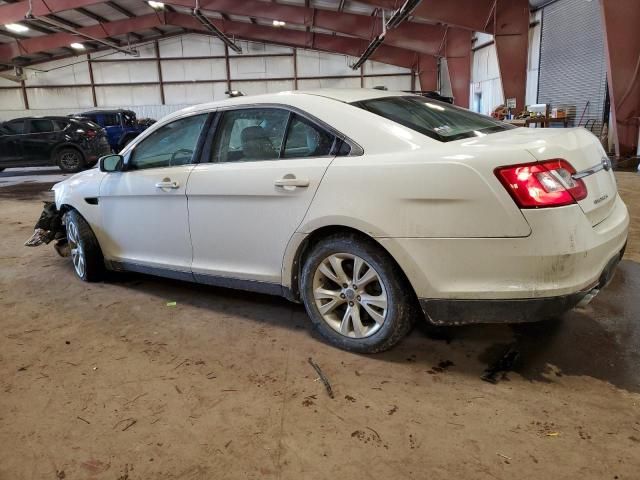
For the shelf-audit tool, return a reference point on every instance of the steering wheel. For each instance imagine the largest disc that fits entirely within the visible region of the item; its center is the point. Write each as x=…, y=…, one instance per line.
x=175, y=154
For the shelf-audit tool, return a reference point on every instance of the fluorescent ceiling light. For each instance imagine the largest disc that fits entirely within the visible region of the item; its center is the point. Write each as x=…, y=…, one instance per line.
x=77, y=46
x=16, y=27
x=156, y=5
x=278, y=23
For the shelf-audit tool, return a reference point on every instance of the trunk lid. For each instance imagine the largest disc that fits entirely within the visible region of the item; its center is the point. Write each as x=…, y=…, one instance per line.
x=577, y=146
x=584, y=152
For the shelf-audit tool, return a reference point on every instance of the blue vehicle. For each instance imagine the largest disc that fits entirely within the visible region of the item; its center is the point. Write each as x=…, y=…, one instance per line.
x=121, y=125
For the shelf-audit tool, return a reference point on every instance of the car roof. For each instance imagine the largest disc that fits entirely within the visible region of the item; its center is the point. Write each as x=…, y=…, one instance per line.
x=113, y=110
x=346, y=95
x=45, y=117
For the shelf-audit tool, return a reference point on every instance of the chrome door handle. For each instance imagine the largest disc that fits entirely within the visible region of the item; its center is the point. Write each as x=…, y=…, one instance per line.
x=167, y=184
x=292, y=182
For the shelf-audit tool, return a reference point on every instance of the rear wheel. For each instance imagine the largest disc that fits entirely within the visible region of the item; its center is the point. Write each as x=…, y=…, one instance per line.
x=69, y=160
x=356, y=296
x=86, y=255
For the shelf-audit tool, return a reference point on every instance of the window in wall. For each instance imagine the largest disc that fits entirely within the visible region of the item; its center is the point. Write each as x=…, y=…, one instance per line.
x=171, y=145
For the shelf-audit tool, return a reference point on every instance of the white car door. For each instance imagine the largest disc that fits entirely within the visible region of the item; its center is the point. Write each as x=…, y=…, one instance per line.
x=246, y=203
x=144, y=208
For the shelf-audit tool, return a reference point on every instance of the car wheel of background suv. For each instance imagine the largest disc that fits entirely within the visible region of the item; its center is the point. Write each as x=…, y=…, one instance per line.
x=69, y=160
x=86, y=254
x=356, y=295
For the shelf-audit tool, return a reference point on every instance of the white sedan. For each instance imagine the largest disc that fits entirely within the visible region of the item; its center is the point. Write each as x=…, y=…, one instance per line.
x=370, y=207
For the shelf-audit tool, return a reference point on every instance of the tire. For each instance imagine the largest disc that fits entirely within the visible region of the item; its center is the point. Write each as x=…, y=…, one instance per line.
x=347, y=323
x=86, y=256
x=70, y=160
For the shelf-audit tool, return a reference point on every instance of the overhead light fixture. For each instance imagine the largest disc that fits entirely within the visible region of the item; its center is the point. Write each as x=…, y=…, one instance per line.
x=77, y=46
x=156, y=5
x=279, y=23
x=16, y=27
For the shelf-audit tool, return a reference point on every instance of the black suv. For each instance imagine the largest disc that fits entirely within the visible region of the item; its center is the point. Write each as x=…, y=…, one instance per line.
x=70, y=143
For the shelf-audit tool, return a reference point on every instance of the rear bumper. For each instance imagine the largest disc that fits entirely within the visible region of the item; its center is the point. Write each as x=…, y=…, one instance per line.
x=464, y=312
x=563, y=259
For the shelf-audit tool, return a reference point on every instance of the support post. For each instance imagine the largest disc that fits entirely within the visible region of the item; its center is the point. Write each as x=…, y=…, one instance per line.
x=25, y=99
x=511, y=34
x=428, y=72
x=622, y=45
x=227, y=67
x=295, y=69
x=93, y=83
x=458, y=53
x=159, y=67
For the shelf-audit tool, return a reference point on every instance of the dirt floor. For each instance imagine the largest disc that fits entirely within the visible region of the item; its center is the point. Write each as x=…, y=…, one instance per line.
x=107, y=381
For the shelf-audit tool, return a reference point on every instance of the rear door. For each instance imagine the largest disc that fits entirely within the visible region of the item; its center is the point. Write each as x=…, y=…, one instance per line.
x=246, y=203
x=39, y=141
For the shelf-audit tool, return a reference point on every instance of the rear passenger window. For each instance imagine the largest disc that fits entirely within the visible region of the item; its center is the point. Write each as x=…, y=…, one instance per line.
x=250, y=134
x=41, y=126
x=307, y=140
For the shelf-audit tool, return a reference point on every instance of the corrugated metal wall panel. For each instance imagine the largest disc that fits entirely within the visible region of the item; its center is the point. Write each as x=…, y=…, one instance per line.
x=572, y=60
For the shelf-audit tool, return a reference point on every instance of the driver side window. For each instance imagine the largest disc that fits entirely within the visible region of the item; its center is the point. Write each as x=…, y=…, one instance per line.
x=169, y=146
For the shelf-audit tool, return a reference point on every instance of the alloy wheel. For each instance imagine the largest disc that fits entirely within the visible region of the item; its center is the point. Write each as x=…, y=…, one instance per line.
x=77, y=252
x=70, y=160
x=350, y=295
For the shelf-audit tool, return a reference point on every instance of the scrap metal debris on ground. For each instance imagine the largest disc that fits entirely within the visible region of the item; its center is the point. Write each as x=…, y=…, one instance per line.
x=503, y=364
x=324, y=379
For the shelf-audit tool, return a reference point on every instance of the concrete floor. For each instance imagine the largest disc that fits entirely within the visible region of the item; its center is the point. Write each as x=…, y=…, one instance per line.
x=105, y=381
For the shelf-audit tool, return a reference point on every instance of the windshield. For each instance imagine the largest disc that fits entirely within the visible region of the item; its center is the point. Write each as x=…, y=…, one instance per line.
x=438, y=120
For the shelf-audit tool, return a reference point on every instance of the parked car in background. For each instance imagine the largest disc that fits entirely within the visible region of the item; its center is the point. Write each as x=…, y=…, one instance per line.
x=366, y=205
x=70, y=143
x=121, y=125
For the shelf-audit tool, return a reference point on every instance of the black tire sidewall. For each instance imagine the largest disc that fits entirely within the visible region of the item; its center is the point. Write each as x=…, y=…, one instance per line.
x=398, y=313
x=76, y=169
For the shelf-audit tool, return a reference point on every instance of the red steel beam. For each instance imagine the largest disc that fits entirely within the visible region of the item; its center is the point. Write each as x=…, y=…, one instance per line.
x=296, y=38
x=300, y=38
x=512, y=44
x=419, y=37
x=467, y=14
x=14, y=12
x=621, y=19
x=32, y=45
x=458, y=52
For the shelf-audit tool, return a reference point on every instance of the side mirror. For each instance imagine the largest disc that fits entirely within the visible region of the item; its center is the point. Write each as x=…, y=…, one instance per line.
x=111, y=163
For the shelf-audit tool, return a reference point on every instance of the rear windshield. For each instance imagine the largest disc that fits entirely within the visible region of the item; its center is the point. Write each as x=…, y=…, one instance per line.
x=438, y=120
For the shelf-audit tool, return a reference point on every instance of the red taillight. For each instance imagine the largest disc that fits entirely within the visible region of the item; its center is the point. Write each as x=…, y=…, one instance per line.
x=91, y=133
x=545, y=184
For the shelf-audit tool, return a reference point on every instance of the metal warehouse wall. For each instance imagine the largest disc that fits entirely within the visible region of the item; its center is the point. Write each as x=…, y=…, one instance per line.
x=572, y=59
x=181, y=71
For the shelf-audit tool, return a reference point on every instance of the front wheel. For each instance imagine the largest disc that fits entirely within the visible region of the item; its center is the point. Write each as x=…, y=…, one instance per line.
x=355, y=294
x=86, y=255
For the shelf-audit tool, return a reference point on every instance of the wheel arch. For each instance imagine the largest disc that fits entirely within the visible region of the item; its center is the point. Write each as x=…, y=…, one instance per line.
x=292, y=275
